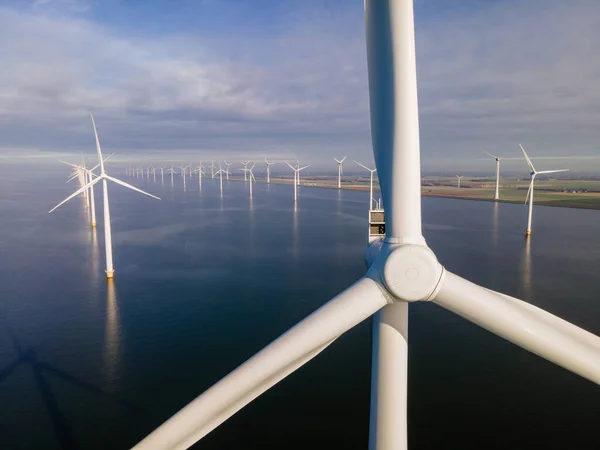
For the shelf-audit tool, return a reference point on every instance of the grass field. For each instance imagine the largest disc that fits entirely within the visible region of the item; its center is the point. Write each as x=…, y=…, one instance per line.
x=547, y=192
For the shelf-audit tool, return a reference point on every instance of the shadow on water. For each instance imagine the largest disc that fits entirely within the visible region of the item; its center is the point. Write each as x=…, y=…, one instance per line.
x=41, y=371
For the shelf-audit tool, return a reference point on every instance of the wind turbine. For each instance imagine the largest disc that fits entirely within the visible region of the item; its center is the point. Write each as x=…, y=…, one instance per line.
x=340, y=170
x=162, y=175
x=183, y=172
x=497, y=158
x=296, y=176
x=251, y=177
x=402, y=270
x=88, y=179
x=227, y=164
x=245, y=164
x=172, y=171
x=459, y=178
x=200, y=173
x=529, y=197
x=104, y=177
x=212, y=169
x=269, y=164
x=89, y=176
x=371, y=184
x=220, y=173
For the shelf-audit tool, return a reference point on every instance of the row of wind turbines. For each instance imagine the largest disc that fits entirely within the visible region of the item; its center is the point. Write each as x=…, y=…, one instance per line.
x=401, y=270
x=532, y=172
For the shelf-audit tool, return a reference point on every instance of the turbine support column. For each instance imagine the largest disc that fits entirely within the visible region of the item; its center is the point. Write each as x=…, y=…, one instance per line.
x=496, y=196
x=110, y=271
x=389, y=378
x=528, y=230
x=93, y=202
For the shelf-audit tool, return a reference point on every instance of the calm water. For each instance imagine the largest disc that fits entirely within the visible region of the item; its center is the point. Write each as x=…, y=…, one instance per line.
x=203, y=282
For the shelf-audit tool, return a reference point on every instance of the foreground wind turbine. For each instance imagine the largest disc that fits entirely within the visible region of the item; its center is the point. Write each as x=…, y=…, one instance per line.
x=497, y=158
x=104, y=177
x=529, y=197
x=402, y=270
x=340, y=170
x=269, y=164
x=371, y=188
x=459, y=178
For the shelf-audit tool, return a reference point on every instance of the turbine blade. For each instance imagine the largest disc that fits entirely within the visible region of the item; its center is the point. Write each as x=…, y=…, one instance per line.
x=529, y=163
x=489, y=154
x=269, y=366
x=69, y=164
x=361, y=165
x=553, y=171
x=525, y=325
x=343, y=159
x=529, y=191
x=291, y=167
x=76, y=193
x=302, y=168
x=101, y=161
x=122, y=183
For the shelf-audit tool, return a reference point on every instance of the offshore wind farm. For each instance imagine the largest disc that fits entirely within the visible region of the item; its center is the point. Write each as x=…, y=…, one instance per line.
x=253, y=284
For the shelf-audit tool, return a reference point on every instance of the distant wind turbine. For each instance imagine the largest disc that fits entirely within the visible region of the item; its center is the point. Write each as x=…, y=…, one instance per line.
x=227, y=164
x=340, y=170
x=371, y=184
x=529, y=197
x=200, y=173
x=296, y=170
x=459, y=178
x=245, y=164
x=497, y=158
x=104, y=177
x=269, y=164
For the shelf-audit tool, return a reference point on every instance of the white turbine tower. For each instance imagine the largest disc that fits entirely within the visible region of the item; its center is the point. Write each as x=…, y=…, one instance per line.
x=250, y=177
x=497, y=158
x=162, y=175
x=220, y=173
x=227, y=164
x=402, y=270
x=459, y=178
x=104, y=177
x=183, y=172
x=371, y=183
x=245, y=164
x=200, y=173
x=212, y=169
x=340, y=170
x=529, y=197
x=269, y=164
x=296, y=170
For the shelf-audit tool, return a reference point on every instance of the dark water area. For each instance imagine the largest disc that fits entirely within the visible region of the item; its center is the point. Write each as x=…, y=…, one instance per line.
x=203, y=282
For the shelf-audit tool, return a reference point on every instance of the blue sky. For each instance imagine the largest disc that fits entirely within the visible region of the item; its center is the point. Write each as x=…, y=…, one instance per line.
x=185, y=79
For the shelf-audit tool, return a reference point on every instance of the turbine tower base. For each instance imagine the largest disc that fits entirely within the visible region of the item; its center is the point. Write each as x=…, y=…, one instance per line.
x=93, y=224
x=527, y=232
x=110, y=274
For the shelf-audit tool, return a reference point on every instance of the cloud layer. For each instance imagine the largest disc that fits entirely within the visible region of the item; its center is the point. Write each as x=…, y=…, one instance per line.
x=491, y=74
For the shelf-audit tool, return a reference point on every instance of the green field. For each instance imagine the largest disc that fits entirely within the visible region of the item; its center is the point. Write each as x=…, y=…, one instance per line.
x=547, y=192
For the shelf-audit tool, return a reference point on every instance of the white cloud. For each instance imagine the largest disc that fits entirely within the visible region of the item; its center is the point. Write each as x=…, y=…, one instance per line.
x=490, y=76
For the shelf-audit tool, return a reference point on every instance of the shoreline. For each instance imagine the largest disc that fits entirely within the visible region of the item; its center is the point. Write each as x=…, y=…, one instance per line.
x=539, y=202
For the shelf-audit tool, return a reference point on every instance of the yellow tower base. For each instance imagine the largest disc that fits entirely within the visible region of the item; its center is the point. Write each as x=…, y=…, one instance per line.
x=110, y=274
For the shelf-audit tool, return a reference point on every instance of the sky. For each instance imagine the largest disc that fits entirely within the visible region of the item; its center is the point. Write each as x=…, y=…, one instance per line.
x=191, y=79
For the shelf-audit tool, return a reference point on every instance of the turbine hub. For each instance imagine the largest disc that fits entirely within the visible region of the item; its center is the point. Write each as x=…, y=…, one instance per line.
x=409, y=272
